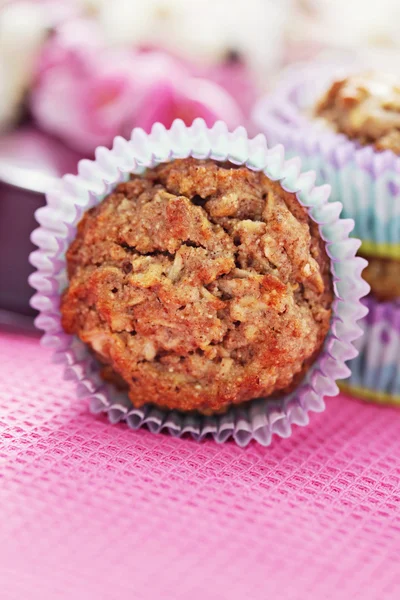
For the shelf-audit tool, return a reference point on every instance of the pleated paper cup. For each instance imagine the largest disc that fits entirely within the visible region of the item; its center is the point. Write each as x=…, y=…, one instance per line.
x=258, y=419
x=366, y=181
x=375, y=372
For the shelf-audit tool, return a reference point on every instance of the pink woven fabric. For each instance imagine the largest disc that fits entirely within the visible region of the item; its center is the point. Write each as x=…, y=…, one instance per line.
x=92, y=511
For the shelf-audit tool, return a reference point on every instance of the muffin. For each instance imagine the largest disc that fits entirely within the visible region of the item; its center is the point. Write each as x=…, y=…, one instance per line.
x=346, y=126
x=199, y=285
x=192, y=280
x=366, y=108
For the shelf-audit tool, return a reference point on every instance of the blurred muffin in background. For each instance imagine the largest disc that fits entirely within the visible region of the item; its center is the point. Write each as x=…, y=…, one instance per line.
x=366, y=108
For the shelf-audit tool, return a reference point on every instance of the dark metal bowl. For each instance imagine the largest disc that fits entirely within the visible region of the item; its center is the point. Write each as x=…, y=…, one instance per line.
x=30, y=161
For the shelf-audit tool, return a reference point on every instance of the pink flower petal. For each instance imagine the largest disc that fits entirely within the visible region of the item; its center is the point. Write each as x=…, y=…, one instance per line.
x=87, y=94
x=194, y=98
x=214, y=100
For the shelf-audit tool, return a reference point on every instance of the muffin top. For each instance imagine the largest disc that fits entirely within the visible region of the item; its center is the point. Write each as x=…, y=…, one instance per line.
x=383, y=275
x=365, y=107
x=199, y=285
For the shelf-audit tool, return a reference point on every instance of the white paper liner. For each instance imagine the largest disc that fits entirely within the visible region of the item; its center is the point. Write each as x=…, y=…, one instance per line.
x=258, y=419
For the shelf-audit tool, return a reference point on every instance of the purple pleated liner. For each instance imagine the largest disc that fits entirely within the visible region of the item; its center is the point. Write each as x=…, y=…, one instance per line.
x=258, y=419
x=375, y=372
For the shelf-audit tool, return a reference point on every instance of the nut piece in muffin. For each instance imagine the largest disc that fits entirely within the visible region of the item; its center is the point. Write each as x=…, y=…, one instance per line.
x=366, y=108
x=199, y=285
x=383, y=275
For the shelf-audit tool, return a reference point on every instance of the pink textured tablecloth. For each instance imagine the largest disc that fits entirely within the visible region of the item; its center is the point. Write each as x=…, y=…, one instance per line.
x=93, y=511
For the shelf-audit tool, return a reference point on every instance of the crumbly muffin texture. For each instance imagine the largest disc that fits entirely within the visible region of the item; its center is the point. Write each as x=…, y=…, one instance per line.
x=365, y=107
x=383, y=275
x=199, y=285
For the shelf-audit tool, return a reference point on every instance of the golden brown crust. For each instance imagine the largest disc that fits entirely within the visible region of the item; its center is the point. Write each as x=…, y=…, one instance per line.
x=200, y=285
x=383, y=275
x=365, y=107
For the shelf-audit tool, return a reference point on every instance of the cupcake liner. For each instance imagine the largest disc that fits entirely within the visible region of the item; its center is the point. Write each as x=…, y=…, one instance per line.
x=375, y=372
x=367, y=182
x=258, y=419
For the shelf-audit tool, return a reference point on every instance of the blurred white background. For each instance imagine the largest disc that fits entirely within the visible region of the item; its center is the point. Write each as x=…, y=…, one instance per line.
x=237, y=45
